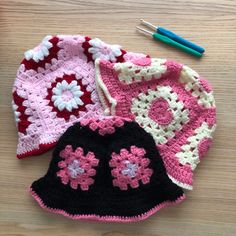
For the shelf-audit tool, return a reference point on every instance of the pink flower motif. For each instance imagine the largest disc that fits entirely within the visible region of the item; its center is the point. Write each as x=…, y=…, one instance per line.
x=130, y=167
x=105, y=125
x=77, y=168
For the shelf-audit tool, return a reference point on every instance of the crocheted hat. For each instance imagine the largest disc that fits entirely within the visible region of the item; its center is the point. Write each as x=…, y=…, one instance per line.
x=106, y=170
x=55, y=88
x=170, y=101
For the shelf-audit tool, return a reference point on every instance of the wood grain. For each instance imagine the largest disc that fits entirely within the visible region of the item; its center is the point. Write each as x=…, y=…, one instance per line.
x=210, y=209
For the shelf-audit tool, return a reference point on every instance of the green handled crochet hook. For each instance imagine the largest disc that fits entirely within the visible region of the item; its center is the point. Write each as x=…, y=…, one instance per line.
x=169, y=41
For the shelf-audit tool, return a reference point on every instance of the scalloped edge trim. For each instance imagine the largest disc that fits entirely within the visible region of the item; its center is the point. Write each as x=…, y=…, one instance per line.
x=180, y=184
x=93, y=217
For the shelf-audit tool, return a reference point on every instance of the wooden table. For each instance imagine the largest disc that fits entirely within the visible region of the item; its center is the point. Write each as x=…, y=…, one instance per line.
x=210, y=209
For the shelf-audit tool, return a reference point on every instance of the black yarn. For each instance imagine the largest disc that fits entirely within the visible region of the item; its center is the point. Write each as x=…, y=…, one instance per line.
x=103, y=198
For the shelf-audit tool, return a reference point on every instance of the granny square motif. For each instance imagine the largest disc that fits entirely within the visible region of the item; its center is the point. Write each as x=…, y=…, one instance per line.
x=55, y=87
x=170, y=101
x=106, y=169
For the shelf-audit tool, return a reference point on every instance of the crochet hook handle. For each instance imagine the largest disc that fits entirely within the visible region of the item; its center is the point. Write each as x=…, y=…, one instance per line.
x=175, y=44
x=179, y=39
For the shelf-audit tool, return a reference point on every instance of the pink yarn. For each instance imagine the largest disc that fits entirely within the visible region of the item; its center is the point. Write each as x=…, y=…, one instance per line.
x=104, y=125
x=205, y=85
x=159, y=112
x=146, y=61
x=77, y=168
x=55, y=87
x=130, y=167
x=203, y=147
x=167, y=99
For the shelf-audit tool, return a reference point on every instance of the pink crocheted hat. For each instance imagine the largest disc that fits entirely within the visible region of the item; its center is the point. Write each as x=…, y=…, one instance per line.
x=167, y=99
x=55, y=87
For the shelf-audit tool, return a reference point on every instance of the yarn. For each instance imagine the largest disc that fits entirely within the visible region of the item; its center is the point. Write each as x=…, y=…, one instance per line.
x=55, y=87
x=109, y=176
x=170, y=101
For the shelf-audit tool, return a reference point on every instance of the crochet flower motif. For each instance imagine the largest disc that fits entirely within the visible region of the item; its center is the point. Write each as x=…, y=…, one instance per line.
x=130, y=167
x=41, y=51
x=77, y=168
x=104, y=126
x=104, y=51
x=67, y=95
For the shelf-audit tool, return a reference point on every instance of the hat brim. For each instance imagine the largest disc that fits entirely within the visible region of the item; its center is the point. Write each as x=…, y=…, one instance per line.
x=60, y=200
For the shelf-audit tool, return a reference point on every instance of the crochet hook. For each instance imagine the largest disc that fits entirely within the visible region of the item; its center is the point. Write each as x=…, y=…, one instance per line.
x=164, y=39
x=173, y=36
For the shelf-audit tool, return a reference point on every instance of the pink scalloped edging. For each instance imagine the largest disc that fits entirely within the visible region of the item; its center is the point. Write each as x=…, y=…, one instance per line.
x=121, y=219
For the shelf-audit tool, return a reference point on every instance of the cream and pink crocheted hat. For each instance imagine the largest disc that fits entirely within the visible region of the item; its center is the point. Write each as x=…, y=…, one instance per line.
x=55, y=87
x=170, y=101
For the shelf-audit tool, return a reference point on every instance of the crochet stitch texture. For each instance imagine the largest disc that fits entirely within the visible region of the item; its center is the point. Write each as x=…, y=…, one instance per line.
x=170, y=101
x=106, y=176
x=55, y=87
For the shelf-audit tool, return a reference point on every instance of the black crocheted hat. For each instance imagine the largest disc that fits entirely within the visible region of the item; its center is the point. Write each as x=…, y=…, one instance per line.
x=106, y=170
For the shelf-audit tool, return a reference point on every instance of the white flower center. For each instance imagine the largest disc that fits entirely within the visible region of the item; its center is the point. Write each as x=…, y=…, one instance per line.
x=130, y=169
x=67, y=96
x=75, y=169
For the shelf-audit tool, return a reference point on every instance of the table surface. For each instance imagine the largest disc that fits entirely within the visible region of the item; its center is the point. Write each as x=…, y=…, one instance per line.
x=210, y=209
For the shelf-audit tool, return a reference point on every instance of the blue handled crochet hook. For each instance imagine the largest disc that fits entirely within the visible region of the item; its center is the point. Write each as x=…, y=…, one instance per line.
x=174, y=36
x=169, y=41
